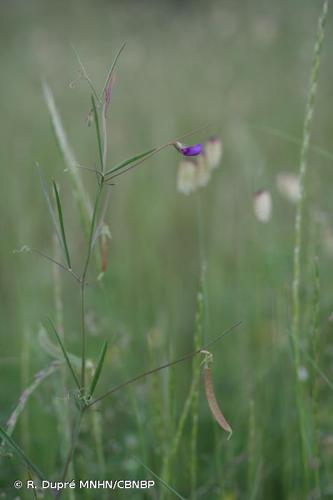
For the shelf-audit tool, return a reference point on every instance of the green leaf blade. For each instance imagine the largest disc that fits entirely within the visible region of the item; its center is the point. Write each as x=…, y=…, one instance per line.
x=48, y=202
x=128, y=161
x=70, y=366
x=98, y=368
x=62, y=226
x=98, y=132
x=20, y=453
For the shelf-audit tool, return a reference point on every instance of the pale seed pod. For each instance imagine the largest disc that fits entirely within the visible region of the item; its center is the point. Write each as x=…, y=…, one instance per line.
x=212, y=402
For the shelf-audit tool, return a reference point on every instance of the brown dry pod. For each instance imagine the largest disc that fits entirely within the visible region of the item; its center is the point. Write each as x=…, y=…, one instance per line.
x=212, y=402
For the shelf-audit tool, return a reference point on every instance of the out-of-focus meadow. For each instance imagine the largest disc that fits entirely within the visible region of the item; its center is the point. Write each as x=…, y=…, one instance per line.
x=245, y=67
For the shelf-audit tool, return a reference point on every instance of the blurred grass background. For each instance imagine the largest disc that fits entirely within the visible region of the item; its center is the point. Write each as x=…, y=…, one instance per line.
x=246, y=65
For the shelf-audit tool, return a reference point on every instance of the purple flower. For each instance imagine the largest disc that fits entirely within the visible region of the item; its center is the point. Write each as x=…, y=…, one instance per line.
x=186, y=150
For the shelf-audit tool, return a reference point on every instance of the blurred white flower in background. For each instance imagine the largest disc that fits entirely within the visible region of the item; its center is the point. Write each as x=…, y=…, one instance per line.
x=323, y=220
x=203, y=171
x=186, y=179
x=195, y=172
x=288, y=186
x=262, y=205
x=213, y=152
x=302, y=374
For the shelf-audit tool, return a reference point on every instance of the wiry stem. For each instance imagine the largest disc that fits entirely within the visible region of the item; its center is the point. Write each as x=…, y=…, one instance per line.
x=166, y=365
x=83, y=284
x=75, y=438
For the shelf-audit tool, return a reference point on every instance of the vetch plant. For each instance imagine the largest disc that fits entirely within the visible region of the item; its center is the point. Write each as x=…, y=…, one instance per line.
x=85, y=380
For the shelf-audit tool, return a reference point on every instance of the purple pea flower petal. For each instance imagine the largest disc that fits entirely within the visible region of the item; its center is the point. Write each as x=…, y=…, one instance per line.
x=186, y=150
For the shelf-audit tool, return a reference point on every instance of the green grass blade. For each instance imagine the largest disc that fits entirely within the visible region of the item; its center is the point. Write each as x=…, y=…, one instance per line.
x=48, y=202
x=178, y=495
x=76, y=380
x=98, y=368
x=129, y=161
x=68, y=156
x=20, y=453
x=62, y=226
x=98, y=132
x=54, y=351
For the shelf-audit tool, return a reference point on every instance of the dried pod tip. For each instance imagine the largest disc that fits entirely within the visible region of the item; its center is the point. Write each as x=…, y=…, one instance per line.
x=186, y=150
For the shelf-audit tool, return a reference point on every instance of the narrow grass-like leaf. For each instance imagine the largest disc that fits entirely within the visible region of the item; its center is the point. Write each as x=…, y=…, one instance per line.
x=49, y=203
x=68, y=156
x=62, y=226
x=178, y=495
x=98, y=368
x=129, y=161
x=20, y=453
x=98, y=133
x=54, y=351
x=76, y=380
x=136, y=161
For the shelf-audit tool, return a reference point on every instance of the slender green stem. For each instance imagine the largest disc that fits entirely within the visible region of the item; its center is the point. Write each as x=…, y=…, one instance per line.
x=162, y=367
x=314, y=385
x=198, y=339
x=75, y=438
x=83, y=336
x=83, y=284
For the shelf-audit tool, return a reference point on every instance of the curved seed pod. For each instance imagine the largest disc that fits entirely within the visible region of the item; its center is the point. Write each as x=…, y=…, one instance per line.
x=212, y=402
